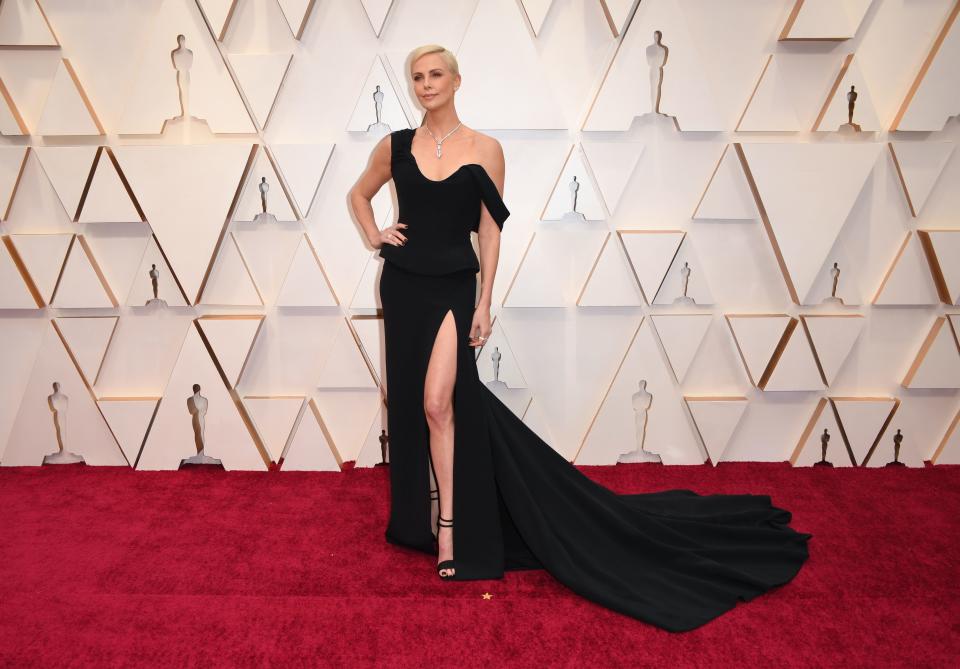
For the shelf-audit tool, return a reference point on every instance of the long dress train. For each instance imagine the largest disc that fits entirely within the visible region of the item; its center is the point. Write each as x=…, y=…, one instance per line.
x=673, y=558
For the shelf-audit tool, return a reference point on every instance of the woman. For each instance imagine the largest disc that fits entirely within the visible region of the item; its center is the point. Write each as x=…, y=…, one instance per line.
x=673, y=558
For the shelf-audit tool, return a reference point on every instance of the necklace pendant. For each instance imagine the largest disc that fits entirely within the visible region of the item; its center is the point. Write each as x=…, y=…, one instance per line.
x=438, y=150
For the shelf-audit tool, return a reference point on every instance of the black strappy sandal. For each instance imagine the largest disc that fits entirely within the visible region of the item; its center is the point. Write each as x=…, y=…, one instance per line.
x=446, y=564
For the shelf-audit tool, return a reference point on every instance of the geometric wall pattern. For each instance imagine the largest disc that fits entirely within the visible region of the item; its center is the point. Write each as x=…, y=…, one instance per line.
x=173, y=212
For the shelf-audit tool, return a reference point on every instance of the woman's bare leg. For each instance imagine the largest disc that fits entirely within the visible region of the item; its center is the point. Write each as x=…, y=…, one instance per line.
x=438, y=406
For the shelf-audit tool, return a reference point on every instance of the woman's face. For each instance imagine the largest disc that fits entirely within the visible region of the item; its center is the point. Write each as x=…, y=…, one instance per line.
x=432, y=81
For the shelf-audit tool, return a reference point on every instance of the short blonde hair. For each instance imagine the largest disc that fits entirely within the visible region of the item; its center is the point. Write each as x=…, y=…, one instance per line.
x=448, y=58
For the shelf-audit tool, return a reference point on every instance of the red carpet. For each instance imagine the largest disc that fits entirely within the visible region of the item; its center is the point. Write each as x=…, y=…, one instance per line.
x=108, y=567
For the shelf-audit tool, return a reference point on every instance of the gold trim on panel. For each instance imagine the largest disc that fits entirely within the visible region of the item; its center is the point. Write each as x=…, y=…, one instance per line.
x=516, y=273
x=821, y=403
x=73, y=357
x=46, y=20
x=766, y=223
x=246, y=267
x=298, y=31
x=234, y=396
x=224, y=228
x=14, y=112
x=713, y=175
x=791, y=19
x=323, y=271
x=816, y=355
x=663, y=348
x=946, y=437
x=953, y=329
x=226, y=21
x=275, y=165
x=937, y=43
x=903, y=181
x=593, y=267
x=24, y=274
x=82, y=93
x=843, y=434
x=253, y=340
x=106, y=349
x=273, y=104
x=606, y=393
x=146, y=433
x=777, y=353
x=833, y=91
x=173, y=274
x=756, y=87
x=556, y=181
x=687, y=399
x=736, y=342
x=75, y=217
x=924, y=349
x=126, y=185
x=608, y=17
x=609, y=66
x=348, y=320
x=326, y=432
x=892, y=267
x=883, y=428
x=83, y=379
x=943, y=291
x=5, y=214
x=96, y=268
x=813, y=347
x=673, y=258
x=63, y=267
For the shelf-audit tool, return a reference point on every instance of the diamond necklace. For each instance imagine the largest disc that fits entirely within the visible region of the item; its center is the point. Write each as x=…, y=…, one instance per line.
x=440, y=141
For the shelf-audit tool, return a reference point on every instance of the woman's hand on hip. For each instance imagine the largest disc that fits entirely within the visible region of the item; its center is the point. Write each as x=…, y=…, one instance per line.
x=390, y=235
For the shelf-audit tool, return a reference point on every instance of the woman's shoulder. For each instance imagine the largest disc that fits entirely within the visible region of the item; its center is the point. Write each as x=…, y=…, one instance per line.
x=487, y=145
x=490, y=154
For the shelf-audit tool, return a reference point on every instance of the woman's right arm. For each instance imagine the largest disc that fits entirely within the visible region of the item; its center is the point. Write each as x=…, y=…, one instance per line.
x=377, y=173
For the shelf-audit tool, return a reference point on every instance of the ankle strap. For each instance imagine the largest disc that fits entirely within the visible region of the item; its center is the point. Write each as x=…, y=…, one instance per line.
x=444, y=522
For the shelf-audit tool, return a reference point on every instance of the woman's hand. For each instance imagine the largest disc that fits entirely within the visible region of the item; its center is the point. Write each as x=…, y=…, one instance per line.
x=480, y=328
x=390, y=235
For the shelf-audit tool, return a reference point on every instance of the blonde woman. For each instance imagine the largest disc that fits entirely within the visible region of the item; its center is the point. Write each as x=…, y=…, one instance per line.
x=672, y=558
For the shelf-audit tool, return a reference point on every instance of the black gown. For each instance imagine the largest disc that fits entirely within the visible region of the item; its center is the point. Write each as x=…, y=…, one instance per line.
x=673, y=558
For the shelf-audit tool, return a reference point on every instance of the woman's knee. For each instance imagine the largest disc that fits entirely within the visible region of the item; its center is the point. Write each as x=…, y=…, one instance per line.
x=438, y=408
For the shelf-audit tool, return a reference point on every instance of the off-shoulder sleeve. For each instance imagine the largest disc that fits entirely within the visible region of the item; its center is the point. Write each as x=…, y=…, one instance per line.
x=490, y=195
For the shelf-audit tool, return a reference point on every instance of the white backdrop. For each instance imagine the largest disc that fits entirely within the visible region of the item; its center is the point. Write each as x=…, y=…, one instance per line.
x=746, y=178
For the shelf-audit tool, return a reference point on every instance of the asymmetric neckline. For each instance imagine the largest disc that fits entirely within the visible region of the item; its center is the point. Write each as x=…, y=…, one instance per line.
x=446, y=178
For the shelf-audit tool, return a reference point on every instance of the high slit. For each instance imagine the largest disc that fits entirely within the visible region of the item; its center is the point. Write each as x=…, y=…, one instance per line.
x=673, y=558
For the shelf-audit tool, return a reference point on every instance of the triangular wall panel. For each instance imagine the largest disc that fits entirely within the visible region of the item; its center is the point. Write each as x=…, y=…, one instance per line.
x=84, y=430
x=107, y=199
x=87, y=339
x=67, y=110
x=173, y=437
x=809, y=448
x=187, y=229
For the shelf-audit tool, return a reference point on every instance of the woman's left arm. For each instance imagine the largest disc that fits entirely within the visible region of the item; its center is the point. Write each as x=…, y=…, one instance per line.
x=488, y=234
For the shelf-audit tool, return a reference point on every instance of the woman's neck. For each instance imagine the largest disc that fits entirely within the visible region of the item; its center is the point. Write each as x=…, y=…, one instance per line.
x=441, y=122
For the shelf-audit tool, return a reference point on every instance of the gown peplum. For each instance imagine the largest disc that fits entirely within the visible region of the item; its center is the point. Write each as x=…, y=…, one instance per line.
x=674, y=558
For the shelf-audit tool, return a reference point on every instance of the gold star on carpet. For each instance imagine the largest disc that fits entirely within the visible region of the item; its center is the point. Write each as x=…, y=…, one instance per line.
x=487, y=595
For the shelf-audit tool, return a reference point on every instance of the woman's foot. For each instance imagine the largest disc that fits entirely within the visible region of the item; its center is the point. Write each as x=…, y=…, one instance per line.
x=445, y=545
